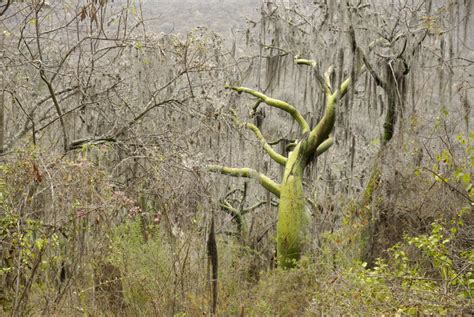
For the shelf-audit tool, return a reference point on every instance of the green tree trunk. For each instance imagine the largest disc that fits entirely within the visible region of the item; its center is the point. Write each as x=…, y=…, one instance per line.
x=292, y=220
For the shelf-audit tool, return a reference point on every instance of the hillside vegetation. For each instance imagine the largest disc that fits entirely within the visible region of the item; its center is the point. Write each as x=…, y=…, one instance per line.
x=236, y=158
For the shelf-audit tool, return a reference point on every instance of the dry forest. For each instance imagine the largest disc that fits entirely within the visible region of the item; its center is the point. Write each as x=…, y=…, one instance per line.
x=236, y=157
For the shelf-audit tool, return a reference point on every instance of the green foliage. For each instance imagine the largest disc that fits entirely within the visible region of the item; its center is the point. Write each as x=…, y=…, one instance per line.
x=25, y=239
x=132, y=265
x=463, y=171
x=26, y=242
x=285, y=292
x=423, y=274
x=442, y=285
x=144, y=264
x=49, y=215
x=432, y=272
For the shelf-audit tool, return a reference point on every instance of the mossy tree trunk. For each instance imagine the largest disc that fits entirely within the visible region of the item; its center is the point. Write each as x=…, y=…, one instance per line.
x=392, y=81
x=292, y=222
x=371, y=213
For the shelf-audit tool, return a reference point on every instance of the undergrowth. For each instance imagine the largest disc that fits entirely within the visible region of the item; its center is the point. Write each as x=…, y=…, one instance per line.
x=96, y=251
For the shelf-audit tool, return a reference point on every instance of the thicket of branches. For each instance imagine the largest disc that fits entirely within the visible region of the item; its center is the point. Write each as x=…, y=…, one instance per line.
x=106, y=130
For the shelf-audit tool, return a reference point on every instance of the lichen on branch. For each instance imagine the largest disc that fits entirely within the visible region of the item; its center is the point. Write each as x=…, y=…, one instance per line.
x=246, y=172
x=323, y=147
x=277, y=157
x=292, y=221
x=275, y=103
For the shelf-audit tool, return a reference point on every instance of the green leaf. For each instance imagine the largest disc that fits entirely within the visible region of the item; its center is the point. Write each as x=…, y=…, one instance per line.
x=467, y=178
x=138, y=45
x=40, y=243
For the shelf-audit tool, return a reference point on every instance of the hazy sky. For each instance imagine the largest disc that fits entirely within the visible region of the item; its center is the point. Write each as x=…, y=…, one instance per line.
x=182, y=15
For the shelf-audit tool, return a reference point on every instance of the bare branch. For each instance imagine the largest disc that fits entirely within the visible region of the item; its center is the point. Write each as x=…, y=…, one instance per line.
x=257, y=205
x=49, y=83
x=5, y=7
x=356, y=49
x=77, y=144
x=152, y=104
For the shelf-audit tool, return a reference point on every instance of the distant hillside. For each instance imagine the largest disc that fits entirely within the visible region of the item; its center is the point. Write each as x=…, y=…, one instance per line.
x=180, y=16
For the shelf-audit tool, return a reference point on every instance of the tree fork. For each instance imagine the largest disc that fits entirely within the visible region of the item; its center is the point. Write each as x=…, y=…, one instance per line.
x=292, y=220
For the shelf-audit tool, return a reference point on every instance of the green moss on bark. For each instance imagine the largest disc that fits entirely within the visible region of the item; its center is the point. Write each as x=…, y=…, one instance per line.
x=292, y=220
x=292, y=223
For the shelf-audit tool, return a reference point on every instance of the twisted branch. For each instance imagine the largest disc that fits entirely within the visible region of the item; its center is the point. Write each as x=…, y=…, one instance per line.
x=275, y=103
x=277, y=157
